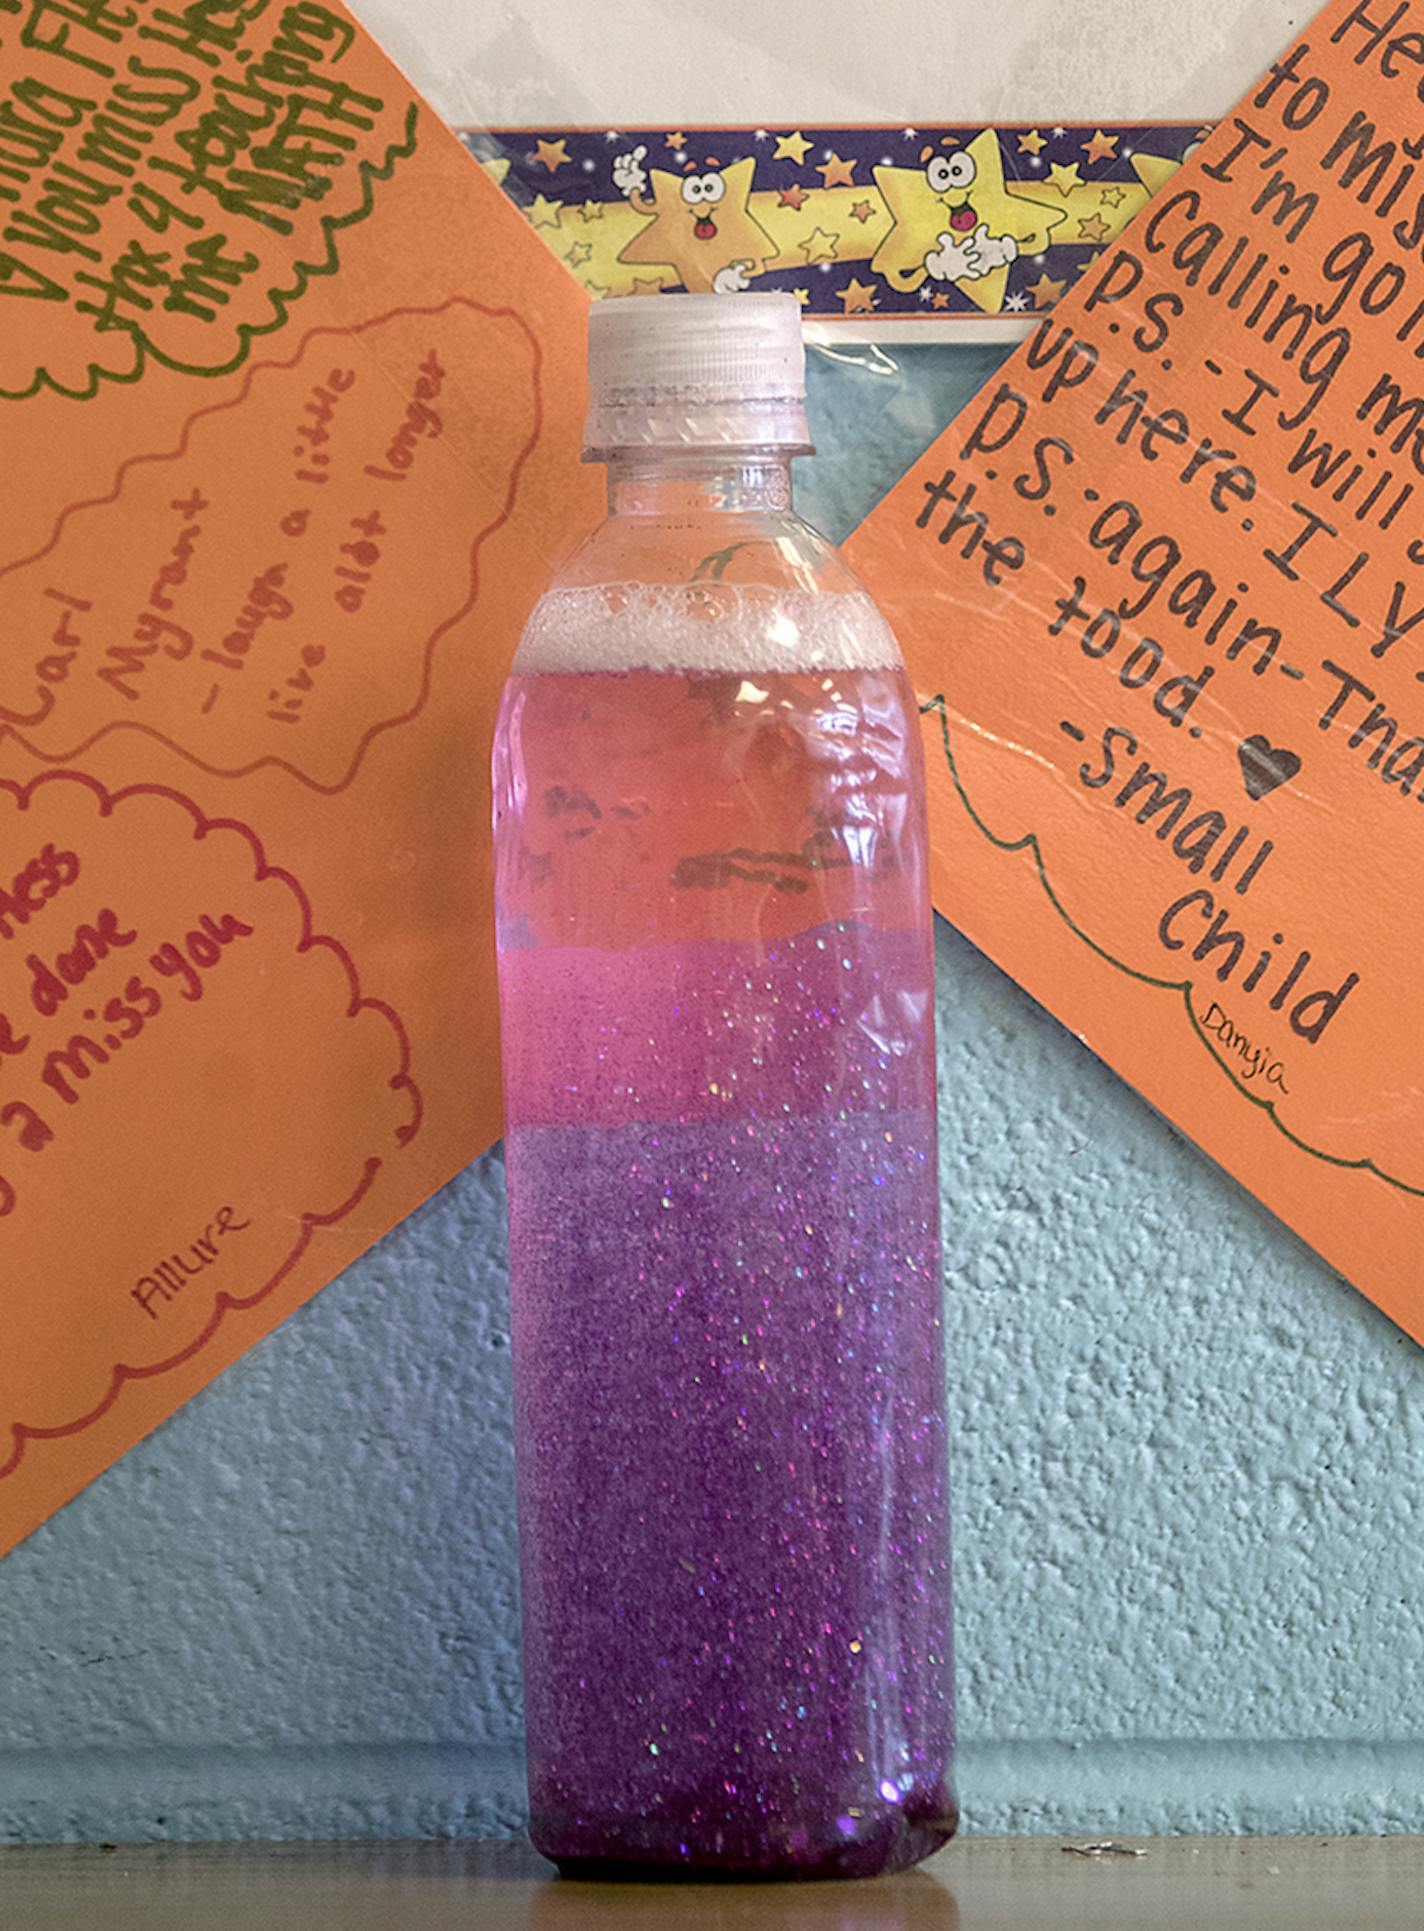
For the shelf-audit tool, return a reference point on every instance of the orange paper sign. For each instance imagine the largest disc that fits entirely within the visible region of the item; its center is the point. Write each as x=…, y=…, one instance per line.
x=292, y=400
x=1162, y=588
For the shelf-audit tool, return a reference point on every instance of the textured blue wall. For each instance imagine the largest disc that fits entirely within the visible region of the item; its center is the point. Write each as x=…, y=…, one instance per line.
x=1187, y=1470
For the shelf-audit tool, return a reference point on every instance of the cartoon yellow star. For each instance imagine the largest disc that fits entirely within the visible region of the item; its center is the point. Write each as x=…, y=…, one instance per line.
x=553, y=154
x=592, y=211
x=958, y=194
x=1154, y=171
x=695, y=239
x=1066, y=179
x=1033, y=143
x=1094, y=228
x=858, y=297
x=497, y=169
x=792, y=147
x=545, y=213
x=1045, y=291
x=578, y=254
x=819, y=246
x=1113, y=197
x=837, y=173
x=653, y=286
x=1102, y=147
x=803, y=296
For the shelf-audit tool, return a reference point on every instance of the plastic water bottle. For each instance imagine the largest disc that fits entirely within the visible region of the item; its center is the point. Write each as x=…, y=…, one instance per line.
x=715, y=971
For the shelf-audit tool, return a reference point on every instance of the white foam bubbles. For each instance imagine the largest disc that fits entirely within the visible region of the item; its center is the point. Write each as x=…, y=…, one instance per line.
x=704, y=627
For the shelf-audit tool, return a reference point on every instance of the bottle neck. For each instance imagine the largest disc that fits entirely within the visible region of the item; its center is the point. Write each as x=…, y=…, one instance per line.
x=671, y=482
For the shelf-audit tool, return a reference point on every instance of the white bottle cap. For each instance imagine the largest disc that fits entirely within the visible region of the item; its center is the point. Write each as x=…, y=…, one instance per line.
x=696, y=371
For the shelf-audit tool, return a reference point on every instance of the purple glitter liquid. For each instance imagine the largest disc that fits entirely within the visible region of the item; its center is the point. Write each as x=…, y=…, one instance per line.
x=725, y=1276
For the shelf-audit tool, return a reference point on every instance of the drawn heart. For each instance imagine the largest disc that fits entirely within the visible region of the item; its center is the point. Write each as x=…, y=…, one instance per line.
x=1265, y=768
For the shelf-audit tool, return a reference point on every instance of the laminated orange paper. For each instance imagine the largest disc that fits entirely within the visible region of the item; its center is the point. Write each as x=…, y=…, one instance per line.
x=1162, y=588
x=291, y=404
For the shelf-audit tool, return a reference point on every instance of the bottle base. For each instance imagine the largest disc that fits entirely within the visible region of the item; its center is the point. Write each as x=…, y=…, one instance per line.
x=896, y=1844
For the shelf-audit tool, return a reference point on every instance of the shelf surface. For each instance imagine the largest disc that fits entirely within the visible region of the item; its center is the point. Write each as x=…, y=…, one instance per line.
x=978, y=1884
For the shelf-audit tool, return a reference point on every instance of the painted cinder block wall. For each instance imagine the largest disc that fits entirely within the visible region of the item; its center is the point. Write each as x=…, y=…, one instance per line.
x=1187, y=1473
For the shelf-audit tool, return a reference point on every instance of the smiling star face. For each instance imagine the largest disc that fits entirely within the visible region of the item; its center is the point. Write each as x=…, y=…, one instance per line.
x=701, y=223
x=951, y=177
x=702, y=195
x=956, y=192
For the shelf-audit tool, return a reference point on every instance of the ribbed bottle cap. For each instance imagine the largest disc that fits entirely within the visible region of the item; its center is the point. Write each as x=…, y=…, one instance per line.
x=696, y=371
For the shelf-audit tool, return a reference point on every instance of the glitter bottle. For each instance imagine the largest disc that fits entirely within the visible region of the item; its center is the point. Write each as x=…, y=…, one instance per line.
x=716, y=993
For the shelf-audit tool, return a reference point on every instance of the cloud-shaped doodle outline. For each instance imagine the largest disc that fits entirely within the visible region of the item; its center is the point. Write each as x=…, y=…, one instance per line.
x=309, y=1219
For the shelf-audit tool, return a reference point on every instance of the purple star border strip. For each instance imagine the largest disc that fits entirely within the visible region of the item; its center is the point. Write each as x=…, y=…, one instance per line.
x=951, y=224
